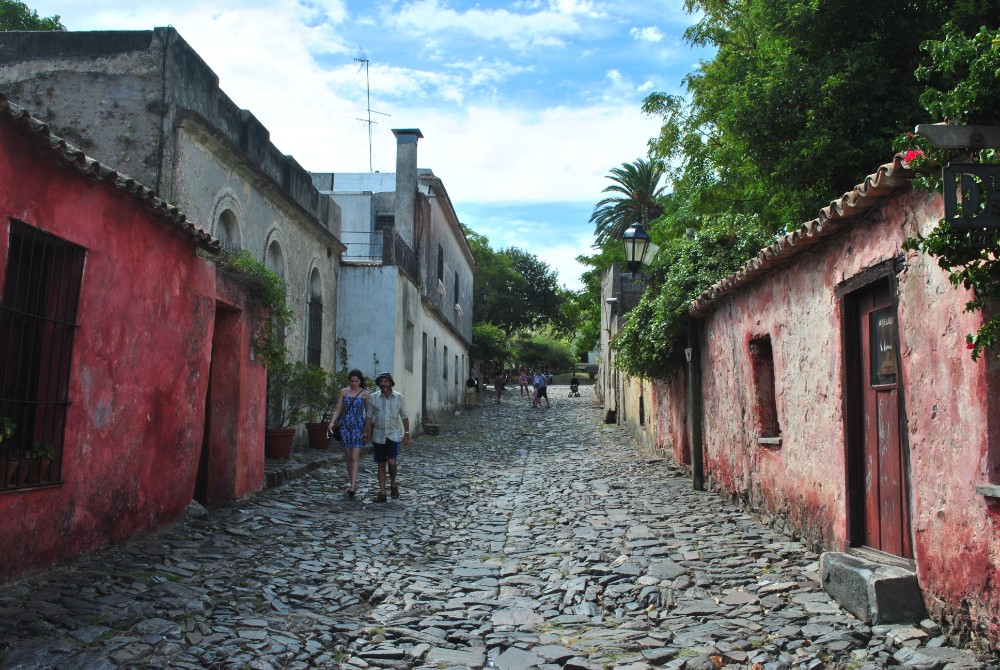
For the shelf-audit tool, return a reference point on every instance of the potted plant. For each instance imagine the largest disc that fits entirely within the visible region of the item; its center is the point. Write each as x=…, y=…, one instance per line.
x=11, y=462
x=321, y=396
x=287, y=404
x=39, y=462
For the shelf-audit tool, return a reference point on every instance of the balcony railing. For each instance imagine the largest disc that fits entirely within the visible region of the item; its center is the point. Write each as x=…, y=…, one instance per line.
x=363, y=246
x=403, y=256
x=383, y=247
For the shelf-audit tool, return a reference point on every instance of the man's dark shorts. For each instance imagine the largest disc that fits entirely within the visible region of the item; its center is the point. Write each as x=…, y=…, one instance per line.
x=543, y=392
x=385, y=452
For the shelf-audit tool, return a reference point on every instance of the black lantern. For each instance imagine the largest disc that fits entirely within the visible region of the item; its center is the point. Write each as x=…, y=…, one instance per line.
x=638, y=249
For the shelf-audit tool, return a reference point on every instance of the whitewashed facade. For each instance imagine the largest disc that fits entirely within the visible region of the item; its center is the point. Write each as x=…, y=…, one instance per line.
x=405, y=290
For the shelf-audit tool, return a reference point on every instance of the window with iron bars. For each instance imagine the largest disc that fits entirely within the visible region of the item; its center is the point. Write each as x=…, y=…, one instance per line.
x=41, y=291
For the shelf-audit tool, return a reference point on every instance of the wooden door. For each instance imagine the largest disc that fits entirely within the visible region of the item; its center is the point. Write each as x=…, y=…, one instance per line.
x=885, y=491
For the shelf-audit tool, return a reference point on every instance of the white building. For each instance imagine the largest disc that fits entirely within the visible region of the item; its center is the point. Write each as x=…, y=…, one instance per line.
x=405, y=290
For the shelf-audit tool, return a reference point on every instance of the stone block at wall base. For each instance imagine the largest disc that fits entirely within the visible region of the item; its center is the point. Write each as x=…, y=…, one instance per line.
x=873, y=592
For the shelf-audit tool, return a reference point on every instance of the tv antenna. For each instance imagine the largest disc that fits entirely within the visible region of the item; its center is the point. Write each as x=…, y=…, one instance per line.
x=363, y=60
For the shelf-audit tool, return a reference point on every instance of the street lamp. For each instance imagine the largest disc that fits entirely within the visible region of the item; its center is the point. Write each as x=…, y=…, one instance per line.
x=638, y=248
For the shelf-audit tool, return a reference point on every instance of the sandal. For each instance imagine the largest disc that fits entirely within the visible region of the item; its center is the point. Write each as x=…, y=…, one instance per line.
x=351, y=492
x=395, y=491
x=381, y=497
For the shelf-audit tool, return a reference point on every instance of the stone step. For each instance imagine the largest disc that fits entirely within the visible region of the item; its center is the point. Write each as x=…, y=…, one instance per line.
x=873, y=592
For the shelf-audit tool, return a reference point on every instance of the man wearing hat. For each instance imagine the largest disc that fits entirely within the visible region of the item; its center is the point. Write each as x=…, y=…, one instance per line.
x=387, y=423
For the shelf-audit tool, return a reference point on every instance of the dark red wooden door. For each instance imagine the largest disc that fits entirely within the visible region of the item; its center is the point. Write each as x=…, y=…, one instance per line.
x=886, y=511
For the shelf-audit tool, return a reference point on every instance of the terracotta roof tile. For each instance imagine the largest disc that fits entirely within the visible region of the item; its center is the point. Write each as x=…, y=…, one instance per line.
x=886, y=182
x=73, y=158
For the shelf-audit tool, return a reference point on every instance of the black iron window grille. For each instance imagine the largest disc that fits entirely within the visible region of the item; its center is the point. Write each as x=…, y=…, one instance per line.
x=315, y=342
x=41, y=291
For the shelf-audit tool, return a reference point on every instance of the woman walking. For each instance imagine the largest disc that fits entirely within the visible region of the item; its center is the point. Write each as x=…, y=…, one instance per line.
x=351, y=404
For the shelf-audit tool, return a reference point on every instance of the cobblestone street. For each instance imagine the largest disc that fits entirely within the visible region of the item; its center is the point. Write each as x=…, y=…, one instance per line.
x=523, y=538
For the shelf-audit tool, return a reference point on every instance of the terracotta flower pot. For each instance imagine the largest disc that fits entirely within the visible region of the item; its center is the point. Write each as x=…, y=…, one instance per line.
x=10, y=473
x=40, y=471
x=317, y=435
x=278, y=442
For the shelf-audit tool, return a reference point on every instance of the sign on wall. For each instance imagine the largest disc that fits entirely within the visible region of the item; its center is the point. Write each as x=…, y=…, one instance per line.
x=971, y=195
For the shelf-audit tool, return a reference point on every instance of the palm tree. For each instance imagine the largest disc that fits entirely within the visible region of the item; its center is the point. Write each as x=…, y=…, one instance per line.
x=637, y=190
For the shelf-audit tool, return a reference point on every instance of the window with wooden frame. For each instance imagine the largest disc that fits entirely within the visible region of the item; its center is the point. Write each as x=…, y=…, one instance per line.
x=41, y=291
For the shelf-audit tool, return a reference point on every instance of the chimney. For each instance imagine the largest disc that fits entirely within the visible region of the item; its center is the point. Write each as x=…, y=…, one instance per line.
x=406, y=180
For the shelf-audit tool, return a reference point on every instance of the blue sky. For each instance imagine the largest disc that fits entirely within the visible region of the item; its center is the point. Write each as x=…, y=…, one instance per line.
x=524, y=106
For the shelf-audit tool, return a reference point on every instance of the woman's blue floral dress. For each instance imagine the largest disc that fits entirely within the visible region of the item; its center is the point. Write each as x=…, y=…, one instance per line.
x=352, y=421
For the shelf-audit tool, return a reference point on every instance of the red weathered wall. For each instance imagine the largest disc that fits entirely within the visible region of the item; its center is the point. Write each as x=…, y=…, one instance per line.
x=236, y=443
x=139, y=369
x=804, y=480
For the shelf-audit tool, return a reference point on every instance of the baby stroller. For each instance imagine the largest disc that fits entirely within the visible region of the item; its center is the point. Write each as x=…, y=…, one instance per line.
x=574, y=388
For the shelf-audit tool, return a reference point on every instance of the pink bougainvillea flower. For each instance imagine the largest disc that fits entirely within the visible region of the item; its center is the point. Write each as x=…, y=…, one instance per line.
x=912, y=154
x=970, y=345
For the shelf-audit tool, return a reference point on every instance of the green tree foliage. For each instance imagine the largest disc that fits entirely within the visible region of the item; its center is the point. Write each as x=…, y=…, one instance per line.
x=542, y=351
x=588, y=331
x=578, y=326
x=15, y=15
x=513, y=289
x=963, y=76
x=514, y=294
x=964, y=85
x=266, y=294
x=542, y=297
x=655, y=329
x=490, y=344
x=637, y=189
x=801, y=98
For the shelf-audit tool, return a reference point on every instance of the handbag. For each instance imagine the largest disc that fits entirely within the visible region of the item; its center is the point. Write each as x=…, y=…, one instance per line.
x=336, y=432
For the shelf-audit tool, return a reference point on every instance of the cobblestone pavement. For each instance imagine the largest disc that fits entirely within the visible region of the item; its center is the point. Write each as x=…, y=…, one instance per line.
x=524, y=538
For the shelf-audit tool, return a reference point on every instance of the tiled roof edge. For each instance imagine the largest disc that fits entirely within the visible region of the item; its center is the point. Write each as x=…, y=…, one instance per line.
x=887, y=181
x=72, y=157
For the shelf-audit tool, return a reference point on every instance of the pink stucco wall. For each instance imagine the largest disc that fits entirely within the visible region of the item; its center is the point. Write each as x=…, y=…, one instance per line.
x=947, y=400
x=664, y=429
x=139, y=371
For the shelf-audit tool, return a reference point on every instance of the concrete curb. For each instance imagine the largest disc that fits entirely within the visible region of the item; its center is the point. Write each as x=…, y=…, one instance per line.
x=279, y=471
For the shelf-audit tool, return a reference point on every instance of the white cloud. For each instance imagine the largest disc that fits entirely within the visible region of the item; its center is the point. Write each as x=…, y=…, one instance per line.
x=558, y=154
x=647, y=34
x=544, y=28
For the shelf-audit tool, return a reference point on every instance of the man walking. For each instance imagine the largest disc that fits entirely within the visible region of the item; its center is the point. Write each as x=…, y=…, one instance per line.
x=387, y=423
x=541, y=387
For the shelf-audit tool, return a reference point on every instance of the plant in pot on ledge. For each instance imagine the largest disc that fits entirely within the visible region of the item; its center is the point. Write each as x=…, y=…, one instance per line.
x=321, y=391
x=38, y=463
x=287, y=404
x=11, y=462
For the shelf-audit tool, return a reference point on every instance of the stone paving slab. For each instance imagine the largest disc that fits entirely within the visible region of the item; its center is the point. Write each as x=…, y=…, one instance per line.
x=524, y=538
